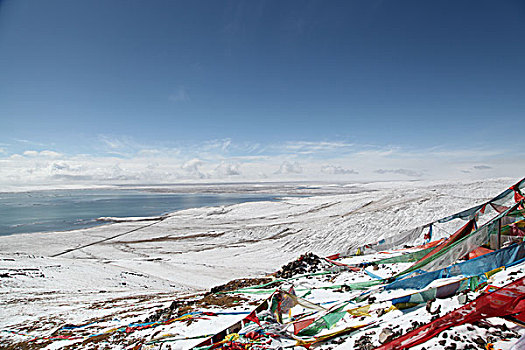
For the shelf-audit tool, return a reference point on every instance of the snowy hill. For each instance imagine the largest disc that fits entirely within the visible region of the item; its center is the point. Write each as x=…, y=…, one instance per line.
x=50, y=279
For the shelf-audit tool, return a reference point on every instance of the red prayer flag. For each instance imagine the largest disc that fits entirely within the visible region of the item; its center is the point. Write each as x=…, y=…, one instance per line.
x=253, y=317
x=297, y=326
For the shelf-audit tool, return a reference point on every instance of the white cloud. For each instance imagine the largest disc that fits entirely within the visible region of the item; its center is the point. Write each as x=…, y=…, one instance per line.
x=482, y=167
x=191, y=167
x=226, y=144
x=217, y=145
x=465, y=153
x=225, y=169
x=226, y=160
x=29, y=142
x=406, y=172
x=45, y=153
x=50, y=154
x=31, y=153
x=386, y=152
x=118, y=145
x=150, y=153
x=60, y=166
x=289, y=168
x=337, y=170
x=310, y=147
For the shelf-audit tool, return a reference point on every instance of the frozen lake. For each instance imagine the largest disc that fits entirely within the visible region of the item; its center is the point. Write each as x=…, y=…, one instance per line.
x=61, y=210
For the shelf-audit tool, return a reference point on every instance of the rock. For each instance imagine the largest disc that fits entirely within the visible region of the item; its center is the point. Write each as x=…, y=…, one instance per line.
x=415, y=325
x=386, y=335
x=510, y=335
x=364, y=343
x=174, y=305
x=306, y=263
x=429, y=308
x=479, y=341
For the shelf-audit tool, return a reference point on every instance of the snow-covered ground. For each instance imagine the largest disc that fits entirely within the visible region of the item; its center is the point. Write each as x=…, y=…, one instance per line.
x=120, y=273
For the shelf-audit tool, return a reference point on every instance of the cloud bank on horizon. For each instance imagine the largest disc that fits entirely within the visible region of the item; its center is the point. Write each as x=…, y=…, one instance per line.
x=117, y=160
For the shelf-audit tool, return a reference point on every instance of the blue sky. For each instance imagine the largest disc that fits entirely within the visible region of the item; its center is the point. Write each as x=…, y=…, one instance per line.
x=260, y=89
